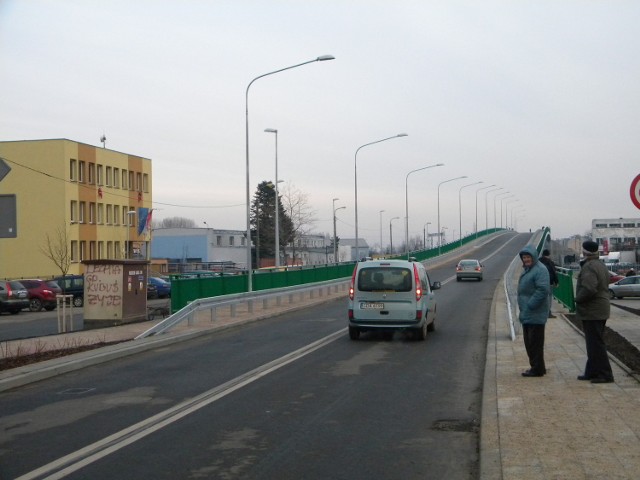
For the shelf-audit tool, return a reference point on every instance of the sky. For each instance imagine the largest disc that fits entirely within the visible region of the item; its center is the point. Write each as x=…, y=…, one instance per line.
x=540, y=99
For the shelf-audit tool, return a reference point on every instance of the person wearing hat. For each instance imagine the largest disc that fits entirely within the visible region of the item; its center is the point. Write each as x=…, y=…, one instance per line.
x=593, y=308
x=553, y=276
x=533, y=303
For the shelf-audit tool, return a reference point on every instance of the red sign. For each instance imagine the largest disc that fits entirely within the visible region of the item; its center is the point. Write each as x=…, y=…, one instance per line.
x=635, y=191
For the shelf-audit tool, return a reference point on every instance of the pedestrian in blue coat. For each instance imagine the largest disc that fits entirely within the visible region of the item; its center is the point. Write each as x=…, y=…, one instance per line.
x=533, y=302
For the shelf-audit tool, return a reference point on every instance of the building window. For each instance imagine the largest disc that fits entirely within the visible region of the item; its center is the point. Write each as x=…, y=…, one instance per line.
x=116, y=215
x=614, y=225
x=109, y=249
x=92, y=173
x=74, y=250
x=124, y=179
x=109, y=214
x=124, y=215
x=139, y=182
x=629, y=225
x=74, y=211
x=92, y=214
x=100, y=250
x=116, y=250
x=145, y=183
x=598, y=225
x=116, y=178
x=231, y=241
x=99, y=177
x=83, y=250
x=130, y=180
x=81, y=210
x=100, y=213
x=73, y=170
x=81, y=171
x=92, y=250
x=109, y=176
x=219, y=240
x=243, y=241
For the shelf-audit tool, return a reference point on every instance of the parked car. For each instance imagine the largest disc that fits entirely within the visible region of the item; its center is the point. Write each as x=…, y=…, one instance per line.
x=627, y=287
x=469, y=268
x=387, y=295
x=13, y=296
x=72, y=285
x=162, y=286
x=152, y=291
x=614, y=277
x=42, y=294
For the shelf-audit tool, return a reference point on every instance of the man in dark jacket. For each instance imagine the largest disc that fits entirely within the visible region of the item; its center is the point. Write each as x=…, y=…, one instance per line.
x=533, y=302
x=553, y=276
x=592, y=307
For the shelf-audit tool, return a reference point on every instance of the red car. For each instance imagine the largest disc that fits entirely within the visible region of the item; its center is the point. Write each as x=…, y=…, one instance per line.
x=42, y=294
x=614, y=277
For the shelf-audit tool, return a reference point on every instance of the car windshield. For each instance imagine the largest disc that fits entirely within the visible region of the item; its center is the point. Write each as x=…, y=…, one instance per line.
x=384, y=278
x=468, y=263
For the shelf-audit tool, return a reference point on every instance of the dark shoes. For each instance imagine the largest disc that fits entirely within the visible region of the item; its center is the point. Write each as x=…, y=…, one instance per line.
x=601, y=380
x=595, y=379
x=531, y=373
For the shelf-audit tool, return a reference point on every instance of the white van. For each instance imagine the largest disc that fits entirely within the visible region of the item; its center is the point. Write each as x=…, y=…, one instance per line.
x=391, y=295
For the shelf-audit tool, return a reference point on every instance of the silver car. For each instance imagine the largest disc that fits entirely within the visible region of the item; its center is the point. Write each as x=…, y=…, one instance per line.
x=627, y=287
x=469, y=268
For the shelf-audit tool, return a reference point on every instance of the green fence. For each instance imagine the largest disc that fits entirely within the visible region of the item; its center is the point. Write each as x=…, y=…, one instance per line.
x=187, y=289
x=564, y=292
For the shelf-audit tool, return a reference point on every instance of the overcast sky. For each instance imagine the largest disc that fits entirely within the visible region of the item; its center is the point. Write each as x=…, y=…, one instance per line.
x=540, y=98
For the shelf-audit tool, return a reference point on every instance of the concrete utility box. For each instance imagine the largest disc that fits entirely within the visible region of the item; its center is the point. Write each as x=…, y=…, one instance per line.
x=115, y=292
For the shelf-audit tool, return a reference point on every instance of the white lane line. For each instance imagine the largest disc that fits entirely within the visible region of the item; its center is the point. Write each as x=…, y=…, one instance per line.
x=68, y=464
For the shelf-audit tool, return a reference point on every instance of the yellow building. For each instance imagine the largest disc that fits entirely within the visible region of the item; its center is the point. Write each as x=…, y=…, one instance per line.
x=71, y=197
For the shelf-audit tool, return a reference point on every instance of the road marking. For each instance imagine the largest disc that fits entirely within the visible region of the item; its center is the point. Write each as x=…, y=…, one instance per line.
x=72, y=462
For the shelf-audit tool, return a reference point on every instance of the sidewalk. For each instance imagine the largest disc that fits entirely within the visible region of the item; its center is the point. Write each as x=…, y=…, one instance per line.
x=556, y=427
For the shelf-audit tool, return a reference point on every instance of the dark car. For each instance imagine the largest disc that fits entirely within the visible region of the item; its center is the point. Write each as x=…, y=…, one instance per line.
x=13, y=296
x=152, y=291
x=42, y=294
x=72, y=285
x=163, y=287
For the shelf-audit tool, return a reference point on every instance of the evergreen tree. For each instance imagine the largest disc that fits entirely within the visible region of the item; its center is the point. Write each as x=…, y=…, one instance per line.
x=262, y=220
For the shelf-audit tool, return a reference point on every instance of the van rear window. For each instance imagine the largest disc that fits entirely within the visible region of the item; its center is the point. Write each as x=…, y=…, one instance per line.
x=384, y=279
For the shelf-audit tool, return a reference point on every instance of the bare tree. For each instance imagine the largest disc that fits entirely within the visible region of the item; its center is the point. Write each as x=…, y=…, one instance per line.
x=297, y=207
x=175, y=222
x=57, y=248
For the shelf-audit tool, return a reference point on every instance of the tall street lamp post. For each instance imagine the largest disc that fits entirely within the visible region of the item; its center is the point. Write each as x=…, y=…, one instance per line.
x=460, y=205
x=248, y=192
x=355, y=165
x=335, y=237
x=486, y=209
x=277, y=202
x=506, y=202
x=130, y=215
x=439, y=231
x=495, y=222
x=425, y=230
x=391, y=234
x=381, y=249
x=406, y=203
x=483, y=188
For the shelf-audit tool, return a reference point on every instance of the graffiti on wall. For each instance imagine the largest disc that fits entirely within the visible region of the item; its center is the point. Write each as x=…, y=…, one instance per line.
x=103, y=285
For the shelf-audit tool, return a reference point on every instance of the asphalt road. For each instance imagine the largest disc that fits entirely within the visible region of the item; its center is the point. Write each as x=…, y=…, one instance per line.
x=287, y=398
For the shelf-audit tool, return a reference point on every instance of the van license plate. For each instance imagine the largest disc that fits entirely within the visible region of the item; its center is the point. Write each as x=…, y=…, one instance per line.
x=371, y=305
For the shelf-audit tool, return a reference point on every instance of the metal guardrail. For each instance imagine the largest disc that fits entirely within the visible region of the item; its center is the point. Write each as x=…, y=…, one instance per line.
x=213, y=304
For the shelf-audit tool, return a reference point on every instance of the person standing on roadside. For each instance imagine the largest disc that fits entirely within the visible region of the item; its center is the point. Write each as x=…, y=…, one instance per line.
x=593, y=308
x=533, y=302
x=553, y=276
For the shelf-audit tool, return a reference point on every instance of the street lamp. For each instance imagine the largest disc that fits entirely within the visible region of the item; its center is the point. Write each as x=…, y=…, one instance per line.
x=335, y=237
x=439, y=232
x=425, y=230
x=277, y=227
x=355, y=164
x=506, y=203
x=391, y=234
x=486, y=209
x=130, y=215
x=483, y=188
x=381, y=231
x=495, y=223
x=460, y=205
x=248, y=192
x=406, y=202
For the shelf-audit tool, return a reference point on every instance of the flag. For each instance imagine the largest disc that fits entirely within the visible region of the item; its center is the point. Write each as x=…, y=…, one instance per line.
x=144, y=220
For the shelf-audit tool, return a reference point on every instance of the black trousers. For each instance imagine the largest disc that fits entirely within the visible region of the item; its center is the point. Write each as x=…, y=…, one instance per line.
x=534, y=343
x=598, y=365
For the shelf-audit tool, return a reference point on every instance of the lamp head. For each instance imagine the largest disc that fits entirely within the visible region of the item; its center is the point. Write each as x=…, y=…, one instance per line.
x=402, y=135
x=271, y=130
x=323, y=58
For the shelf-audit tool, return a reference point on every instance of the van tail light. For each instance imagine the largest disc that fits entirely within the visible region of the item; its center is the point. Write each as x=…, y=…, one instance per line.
x=9, y=291
x=418, y=314
x=353, y=283
x=351, y=314
x=418, y=284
